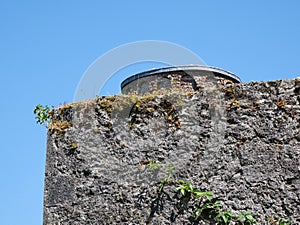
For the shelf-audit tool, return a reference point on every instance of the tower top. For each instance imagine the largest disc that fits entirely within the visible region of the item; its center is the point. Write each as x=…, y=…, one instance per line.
x=187, y=76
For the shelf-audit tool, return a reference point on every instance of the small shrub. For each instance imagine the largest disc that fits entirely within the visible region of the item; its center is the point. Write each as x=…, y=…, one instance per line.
x=43, y=114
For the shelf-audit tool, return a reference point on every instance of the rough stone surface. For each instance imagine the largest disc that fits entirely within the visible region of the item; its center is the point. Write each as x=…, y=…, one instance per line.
x=106, y=157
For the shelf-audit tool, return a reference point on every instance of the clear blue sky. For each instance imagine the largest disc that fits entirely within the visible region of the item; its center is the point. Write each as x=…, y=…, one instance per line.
x=46, y=46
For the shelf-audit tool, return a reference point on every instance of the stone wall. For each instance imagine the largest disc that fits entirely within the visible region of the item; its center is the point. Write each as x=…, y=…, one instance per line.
x=188, y=80
x=120, y=159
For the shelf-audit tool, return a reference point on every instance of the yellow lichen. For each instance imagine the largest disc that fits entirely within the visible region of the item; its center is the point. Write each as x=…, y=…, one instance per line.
x=280, y=104
x=59, y=126
x=232, y=104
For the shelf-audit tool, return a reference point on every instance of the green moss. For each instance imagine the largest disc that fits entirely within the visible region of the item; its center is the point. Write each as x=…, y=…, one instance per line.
x=73, y=146
x=148, y=104
x=106, y=103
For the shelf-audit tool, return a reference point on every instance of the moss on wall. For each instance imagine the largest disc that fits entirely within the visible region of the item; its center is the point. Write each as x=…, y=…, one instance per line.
x=240, y=141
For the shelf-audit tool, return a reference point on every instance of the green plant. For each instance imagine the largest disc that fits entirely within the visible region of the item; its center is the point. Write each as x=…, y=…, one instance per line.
x=246, y=219
x=200, y=201
x=188, y=190
x=43, y=114
x=224, y=217
x=283, y=222
x=209, y=206
x=153, y=165
x=202, y=205
x=170, y=177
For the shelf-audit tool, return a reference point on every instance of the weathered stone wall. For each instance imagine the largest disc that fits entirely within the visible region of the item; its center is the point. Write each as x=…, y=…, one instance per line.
x=106, y=157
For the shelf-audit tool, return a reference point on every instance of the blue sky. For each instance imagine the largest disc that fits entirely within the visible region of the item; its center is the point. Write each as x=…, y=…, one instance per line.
x=46, y=46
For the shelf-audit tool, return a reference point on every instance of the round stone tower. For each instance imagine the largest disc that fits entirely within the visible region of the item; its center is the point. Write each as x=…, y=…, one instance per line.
x=190, y=77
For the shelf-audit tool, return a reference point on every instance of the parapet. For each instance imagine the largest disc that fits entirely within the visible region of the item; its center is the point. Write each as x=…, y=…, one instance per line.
x=189, y=77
